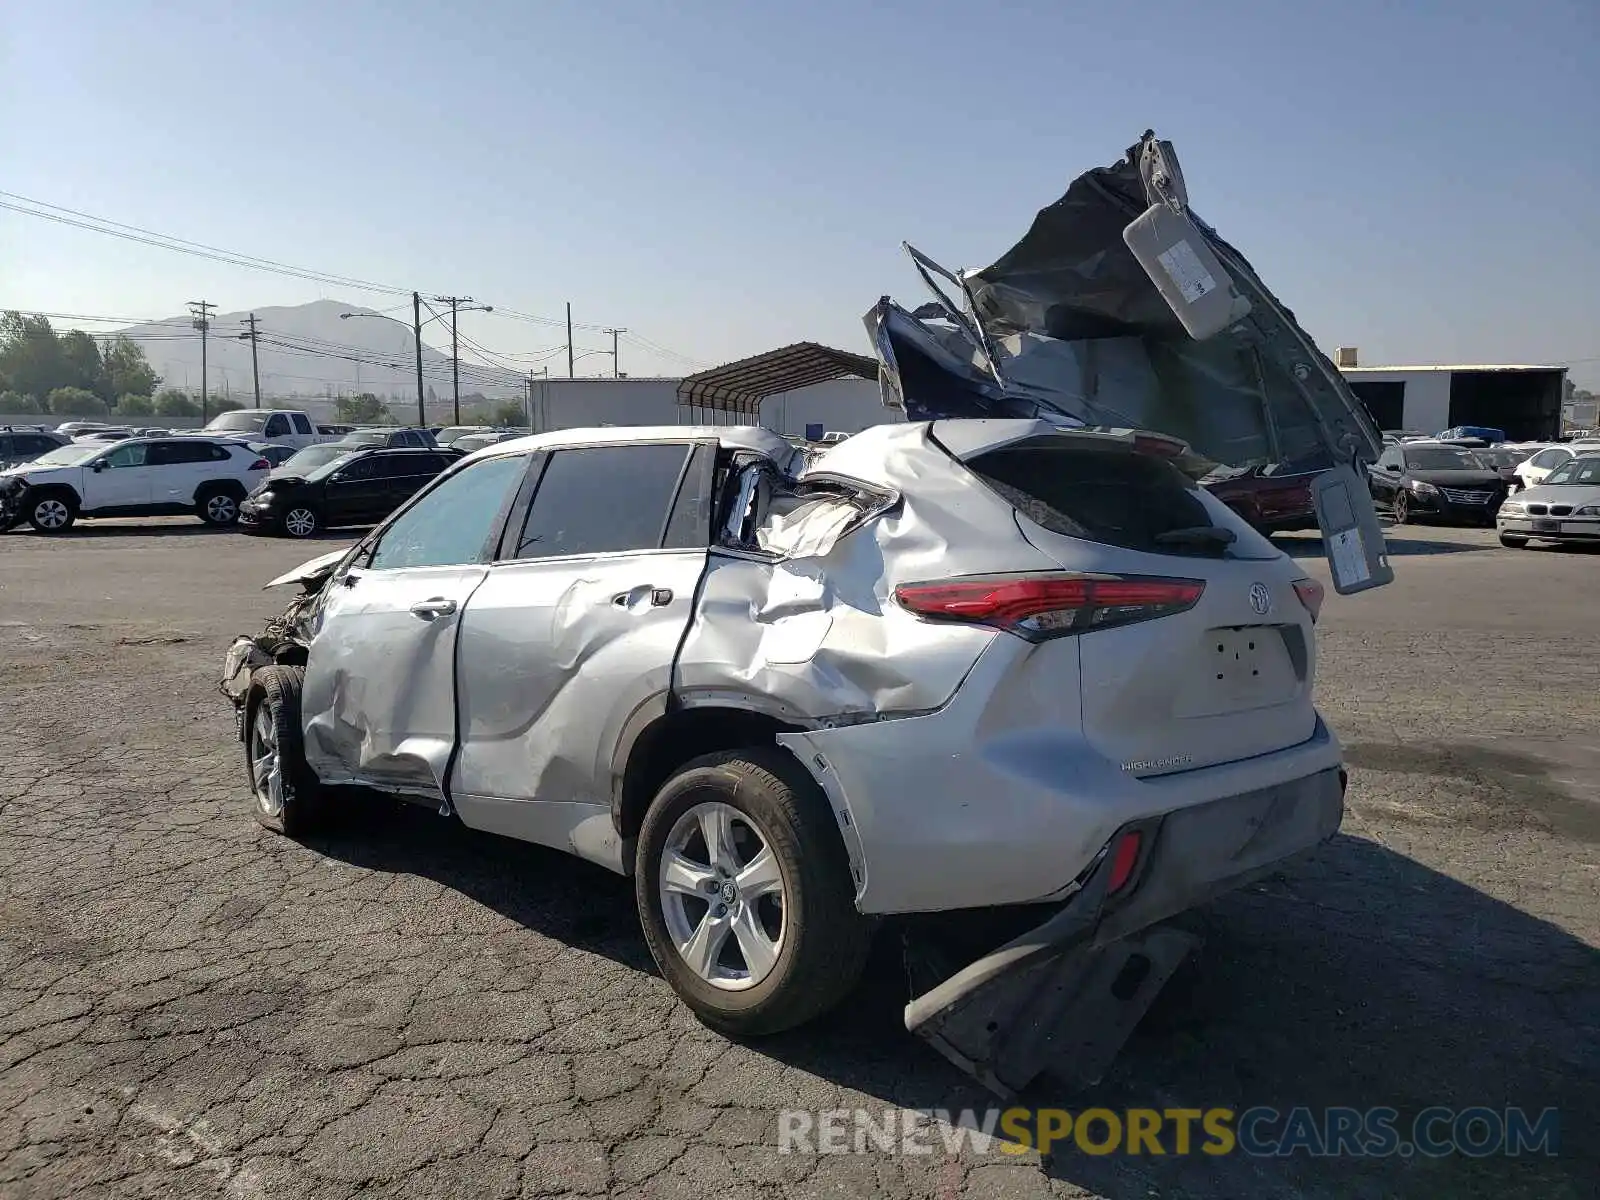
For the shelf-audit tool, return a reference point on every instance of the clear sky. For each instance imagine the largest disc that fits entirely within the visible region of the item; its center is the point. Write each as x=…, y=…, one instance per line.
x=1421, y=180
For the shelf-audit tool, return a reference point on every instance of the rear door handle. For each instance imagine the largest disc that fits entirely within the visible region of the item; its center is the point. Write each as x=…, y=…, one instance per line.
x=437, y=607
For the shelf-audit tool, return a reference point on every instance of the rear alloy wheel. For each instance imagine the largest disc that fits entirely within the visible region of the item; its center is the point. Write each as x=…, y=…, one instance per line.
x=219, y=509
x=745, y=894
x=283, y=789
x=300, y=522
x=51, y=513
x=1402, y=508
x=1512, y=542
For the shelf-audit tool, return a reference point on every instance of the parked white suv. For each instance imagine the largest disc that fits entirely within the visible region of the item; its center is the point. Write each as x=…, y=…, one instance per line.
x=138, y=477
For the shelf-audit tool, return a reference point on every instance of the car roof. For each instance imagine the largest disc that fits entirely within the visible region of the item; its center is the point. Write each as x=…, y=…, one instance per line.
x=732, y=437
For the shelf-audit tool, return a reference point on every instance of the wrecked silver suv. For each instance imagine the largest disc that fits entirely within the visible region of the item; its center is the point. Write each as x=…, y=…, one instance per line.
x=946, y=666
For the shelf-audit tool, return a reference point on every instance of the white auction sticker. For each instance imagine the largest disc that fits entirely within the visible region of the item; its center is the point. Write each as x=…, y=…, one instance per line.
x=1187, y=271
x=1348, y=556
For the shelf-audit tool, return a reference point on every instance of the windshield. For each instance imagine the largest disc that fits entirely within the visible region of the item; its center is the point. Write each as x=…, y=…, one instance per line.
x=451, y=432
x=1503, y=458
x=1585, y=471
x=239, y=422
x=365, y=437
x=311, y=458
x=1443, y=458
x=68, y=456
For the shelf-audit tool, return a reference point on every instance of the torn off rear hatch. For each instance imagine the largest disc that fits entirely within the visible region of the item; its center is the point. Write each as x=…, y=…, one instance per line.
x=1121, y=308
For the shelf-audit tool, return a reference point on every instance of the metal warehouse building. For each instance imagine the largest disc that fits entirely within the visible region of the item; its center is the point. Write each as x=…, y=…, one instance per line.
x=1525, y=401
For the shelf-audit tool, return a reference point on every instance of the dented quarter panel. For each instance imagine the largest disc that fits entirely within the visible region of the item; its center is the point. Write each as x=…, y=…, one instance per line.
x=556, y=655
x=817, y=638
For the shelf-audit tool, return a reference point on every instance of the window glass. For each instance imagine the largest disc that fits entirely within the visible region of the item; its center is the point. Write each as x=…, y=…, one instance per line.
x=34, y=443
x=165, y=454
x=1390, y=458
x=349, y=472
x=399, y=466
x=301, y=423
x=601, y=498
x=1548, y=458
x=1562, y=474
x=690, y=525
x=452, y=523
x=277, y=425
x=128, y=456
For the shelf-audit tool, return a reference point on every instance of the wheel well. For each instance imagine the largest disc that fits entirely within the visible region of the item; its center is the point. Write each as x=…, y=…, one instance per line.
x=674, y=739
x=41, y=490
x=231, y=486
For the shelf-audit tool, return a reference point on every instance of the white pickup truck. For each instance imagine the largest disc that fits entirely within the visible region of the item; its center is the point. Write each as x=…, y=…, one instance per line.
x=280, y=426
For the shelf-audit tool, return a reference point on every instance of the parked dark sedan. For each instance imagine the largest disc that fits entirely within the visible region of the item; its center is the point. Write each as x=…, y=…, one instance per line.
x=358, y=488
x=1273, y=499
x=1438, y=482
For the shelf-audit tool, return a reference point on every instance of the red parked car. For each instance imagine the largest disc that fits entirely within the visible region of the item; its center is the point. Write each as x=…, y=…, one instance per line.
x=1270, y=498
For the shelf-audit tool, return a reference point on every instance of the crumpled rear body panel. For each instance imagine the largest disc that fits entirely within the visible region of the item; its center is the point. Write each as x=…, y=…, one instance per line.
x=1075, y=326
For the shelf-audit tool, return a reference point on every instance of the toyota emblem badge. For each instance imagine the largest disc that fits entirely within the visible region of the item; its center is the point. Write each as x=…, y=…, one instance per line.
x=1260, y=599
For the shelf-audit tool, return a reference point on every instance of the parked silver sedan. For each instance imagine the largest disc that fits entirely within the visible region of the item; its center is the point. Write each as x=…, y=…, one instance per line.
x=1564, y=508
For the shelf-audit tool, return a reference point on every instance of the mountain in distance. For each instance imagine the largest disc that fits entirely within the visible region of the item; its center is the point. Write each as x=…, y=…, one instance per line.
x=308, y=352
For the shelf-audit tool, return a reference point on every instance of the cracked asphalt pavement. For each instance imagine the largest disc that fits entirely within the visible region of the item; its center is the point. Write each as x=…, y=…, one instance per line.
x=192, y=1007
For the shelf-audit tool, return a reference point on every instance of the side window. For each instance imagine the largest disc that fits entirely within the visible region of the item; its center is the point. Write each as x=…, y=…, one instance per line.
x=219, y=453
x=301, y=423
x=167, y=454
x=277, y=425
x=33, y=443
x=1546, y=459
x=127, y=455
x=602, y=498
x=689, y=526
x=452, y=523
x=361, y=468
x=1389, y=458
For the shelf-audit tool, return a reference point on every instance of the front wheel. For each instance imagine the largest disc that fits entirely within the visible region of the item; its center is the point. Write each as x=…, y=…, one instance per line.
x=301, y=522
x=52, y=513
x=744, y=892
x=282, y=787
x=1402, y=508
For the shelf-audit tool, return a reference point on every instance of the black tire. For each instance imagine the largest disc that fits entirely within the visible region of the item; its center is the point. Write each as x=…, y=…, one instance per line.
x=52, y=510
x=825, y=941
x=292, y=521
x=274, y=705
x=1402, y=508
x=1512, y=541
x=218, y=506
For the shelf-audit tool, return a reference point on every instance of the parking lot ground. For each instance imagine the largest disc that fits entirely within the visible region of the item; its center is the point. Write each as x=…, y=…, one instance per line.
x=190, y=1006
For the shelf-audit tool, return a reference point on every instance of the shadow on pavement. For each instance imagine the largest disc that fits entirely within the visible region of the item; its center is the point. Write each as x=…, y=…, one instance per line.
x=1399, y=547
x=1360, y=979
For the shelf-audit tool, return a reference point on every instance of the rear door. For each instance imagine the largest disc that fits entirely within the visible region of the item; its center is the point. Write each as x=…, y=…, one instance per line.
x=1227, y=678
x=379, y=703
x=179, y=466
x=574, y=631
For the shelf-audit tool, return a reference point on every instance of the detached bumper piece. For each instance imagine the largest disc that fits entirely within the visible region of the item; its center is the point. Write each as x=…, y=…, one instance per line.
x=1064, y=997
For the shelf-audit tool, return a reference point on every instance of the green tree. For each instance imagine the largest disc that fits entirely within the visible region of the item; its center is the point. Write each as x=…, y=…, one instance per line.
x=508, y=412
x=80, y=364
x=131, y=405
x=222, y=406
x=76, y=402
x=30, y=355
x=15, y=403
x=126, y=370
x=362, y=409
x=173, y=403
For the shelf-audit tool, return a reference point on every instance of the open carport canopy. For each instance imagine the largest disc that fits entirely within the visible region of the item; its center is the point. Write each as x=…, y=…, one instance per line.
x=741, y=386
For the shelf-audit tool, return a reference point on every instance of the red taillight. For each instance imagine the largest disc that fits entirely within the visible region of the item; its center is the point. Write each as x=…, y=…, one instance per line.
x=261, y=464
x=1310, y=593
x=1123, y=859
x=1041, y=606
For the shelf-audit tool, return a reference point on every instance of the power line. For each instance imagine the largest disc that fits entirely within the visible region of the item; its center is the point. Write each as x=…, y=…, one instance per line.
x=149, y=237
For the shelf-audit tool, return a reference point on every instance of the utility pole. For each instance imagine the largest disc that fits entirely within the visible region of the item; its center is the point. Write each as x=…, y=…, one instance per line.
x=569, y=339
x=416, y=329
x=200, y=310
x=454, y=302
x=616, y=363
x=255, y=362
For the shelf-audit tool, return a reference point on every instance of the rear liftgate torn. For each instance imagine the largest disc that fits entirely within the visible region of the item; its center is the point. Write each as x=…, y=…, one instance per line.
x=1121, y=309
